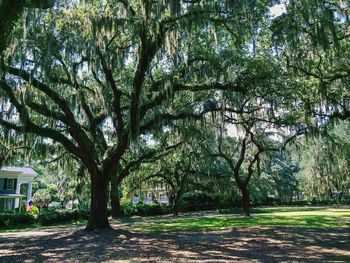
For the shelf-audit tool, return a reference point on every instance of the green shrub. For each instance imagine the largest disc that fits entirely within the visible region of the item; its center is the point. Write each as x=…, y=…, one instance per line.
x=10, y=219
x=4, y=219
x=300, y=203
x=48, y=217
x=129, y=209
x=149, y=210
x=145, y=210
x=233, y=210
x=198, y=201
x=21, y=219
x=42, y=198
x=34, y=211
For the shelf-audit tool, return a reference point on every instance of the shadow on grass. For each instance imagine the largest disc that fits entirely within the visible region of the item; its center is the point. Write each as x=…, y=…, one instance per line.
x=29, y=227
x=270, y=244
x=265, y=237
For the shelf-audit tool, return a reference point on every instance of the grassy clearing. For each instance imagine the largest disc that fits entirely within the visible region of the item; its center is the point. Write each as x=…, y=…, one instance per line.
x=320, y=218
x=304, y=217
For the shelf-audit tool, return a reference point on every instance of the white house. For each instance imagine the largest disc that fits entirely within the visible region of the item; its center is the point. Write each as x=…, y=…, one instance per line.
x=15, y=183
x=156, y=193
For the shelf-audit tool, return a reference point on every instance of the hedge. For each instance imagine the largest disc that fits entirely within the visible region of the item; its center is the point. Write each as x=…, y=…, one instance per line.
x=45, y=218
x=51, y=217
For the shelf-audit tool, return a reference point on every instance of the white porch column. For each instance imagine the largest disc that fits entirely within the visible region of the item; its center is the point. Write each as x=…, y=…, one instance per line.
x=18, y=191
x=29, y=194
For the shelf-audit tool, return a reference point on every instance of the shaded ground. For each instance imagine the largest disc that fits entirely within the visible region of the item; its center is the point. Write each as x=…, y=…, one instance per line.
x=261, y=244
x=282, y=234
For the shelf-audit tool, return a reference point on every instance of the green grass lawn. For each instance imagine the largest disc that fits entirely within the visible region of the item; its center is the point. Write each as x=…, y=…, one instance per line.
x=305, y=217
x=319, y=217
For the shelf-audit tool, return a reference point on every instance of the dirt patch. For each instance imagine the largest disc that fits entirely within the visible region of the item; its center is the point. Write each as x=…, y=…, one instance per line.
x=264, y=244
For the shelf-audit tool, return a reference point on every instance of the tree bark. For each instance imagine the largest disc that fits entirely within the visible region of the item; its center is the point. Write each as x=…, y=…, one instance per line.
x=243, y=187
x=175, y=203
x=98, y=218
x=115, y=199
x=175, y=209
x=245, y=200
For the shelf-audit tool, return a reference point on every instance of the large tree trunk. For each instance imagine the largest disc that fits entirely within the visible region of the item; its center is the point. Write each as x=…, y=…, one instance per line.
x=176, y=202
x=245, y=200
x=115, y=200
x=99, y=197
x=243, y=187
x=175, y=207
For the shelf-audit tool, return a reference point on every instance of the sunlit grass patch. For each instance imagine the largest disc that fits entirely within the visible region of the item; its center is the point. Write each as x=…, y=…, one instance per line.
x=308, y=218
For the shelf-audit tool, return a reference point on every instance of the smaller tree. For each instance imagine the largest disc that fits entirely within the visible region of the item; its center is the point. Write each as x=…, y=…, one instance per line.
x=133, y=160
x=325, y=163
x=173, y=164
x=172, y=170
x=176, y=172
x=249, y=152
x=42, y=198
x=282, y=171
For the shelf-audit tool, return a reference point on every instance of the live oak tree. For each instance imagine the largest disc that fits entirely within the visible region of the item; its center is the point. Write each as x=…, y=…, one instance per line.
x=183, y=167
x=312, y=37
x=10, y=12
x=244, y=151
x=262, y=116
x=93, y=76
x=133, y=160
x=68, y=176
x=178, y=171
x=325, y=163
x=310, y=78
x=175, y=170
x=281, y=171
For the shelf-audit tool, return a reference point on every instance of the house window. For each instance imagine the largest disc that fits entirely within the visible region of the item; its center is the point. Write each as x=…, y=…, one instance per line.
x=2, y=184
x=10, y=184
x=8, y=204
